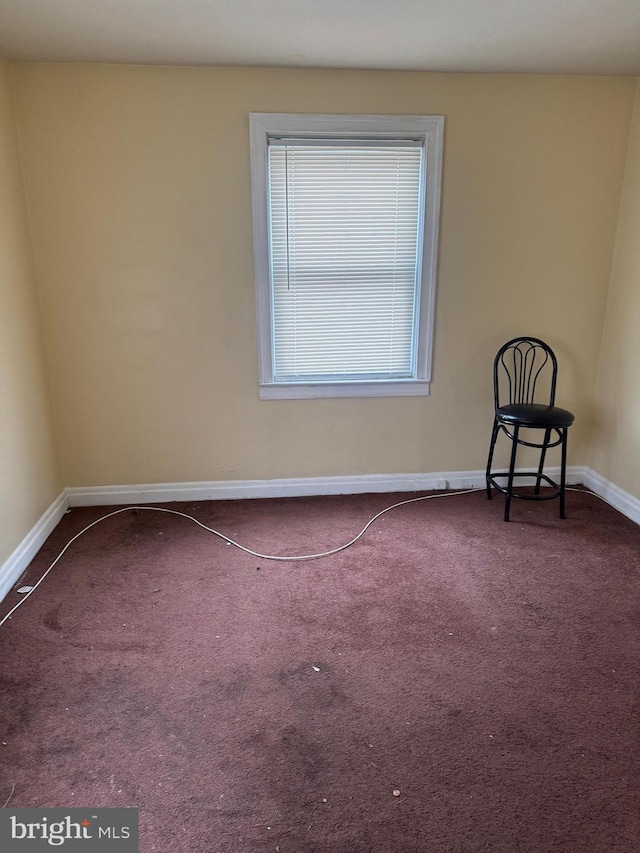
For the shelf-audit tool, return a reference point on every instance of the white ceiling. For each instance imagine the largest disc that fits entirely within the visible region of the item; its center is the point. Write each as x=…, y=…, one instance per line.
x=522, y=36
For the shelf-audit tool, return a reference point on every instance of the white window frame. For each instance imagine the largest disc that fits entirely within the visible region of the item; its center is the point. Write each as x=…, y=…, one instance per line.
x=430, y=130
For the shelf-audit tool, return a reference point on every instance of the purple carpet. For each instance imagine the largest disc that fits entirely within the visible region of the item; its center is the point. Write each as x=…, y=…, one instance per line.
x=488, y=672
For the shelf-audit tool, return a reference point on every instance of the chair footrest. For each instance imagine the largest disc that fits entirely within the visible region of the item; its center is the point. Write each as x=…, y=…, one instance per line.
x=529, y=497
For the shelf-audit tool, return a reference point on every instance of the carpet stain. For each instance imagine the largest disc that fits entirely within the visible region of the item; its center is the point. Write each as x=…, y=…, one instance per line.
x=302, y=755
x=230, y=689
x=52, y=619
x=313, y=684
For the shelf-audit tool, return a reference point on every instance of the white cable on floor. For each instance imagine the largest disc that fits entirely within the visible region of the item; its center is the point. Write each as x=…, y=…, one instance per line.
x=230, y=541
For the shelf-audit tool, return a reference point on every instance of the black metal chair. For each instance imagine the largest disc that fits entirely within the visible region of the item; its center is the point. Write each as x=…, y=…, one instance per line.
x=521, y=367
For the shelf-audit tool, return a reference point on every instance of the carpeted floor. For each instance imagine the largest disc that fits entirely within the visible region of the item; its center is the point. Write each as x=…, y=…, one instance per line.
x=489, y=672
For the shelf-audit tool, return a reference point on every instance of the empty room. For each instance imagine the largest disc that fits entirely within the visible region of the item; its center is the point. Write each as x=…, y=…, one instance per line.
x=320, y=426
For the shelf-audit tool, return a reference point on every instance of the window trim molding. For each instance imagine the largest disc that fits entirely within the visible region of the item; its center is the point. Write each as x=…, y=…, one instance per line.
x=427, y=128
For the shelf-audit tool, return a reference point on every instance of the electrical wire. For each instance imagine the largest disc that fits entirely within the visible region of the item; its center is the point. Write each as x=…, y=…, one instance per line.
x=229, y=541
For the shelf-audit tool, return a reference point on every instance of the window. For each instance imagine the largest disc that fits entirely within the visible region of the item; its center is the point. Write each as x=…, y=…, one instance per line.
x=345, y=213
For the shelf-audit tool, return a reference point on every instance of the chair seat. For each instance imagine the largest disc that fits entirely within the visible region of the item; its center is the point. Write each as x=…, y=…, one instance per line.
x=534, y=415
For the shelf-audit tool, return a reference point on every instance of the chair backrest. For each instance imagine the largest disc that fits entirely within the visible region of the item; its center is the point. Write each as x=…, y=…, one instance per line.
x=522, y=367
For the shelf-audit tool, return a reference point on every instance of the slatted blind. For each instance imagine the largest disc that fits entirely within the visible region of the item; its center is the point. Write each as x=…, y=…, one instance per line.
x=344, y=242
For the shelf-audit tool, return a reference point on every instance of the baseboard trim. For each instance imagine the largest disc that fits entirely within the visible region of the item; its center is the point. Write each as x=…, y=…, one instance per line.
x=622, y=501
x=19, y=560
x=293, y=487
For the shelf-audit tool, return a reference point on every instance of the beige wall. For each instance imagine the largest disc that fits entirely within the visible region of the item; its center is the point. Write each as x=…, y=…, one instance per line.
x=28, y=478
x=138, y=181
x=616, y=440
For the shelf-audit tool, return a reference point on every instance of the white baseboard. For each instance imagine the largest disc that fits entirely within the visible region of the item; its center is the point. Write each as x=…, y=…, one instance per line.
x=294, y=487
x=19, y=560
x=624, y=502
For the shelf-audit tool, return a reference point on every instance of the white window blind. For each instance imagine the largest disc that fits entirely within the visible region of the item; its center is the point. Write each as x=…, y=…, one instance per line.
x=345, y=219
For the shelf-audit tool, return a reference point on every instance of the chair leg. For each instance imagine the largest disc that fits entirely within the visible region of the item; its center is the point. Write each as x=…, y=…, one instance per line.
x=494, y=436
x=563, y=472
x=512, y=465
x=543, y=452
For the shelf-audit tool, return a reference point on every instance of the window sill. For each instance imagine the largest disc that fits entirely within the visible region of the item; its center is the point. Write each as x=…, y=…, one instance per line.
x=311, y=390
